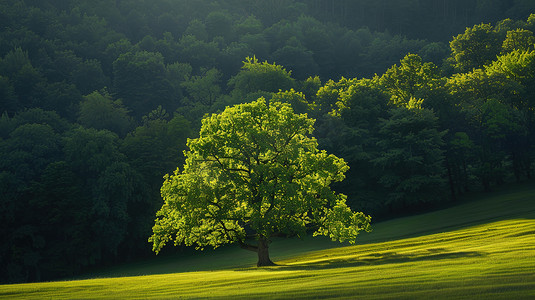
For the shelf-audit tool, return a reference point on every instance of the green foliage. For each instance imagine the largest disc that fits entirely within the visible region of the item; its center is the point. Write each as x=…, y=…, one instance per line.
x=411, y=158
x=519, y=39
x=99, y=111
x=310, y=86
x=140, y=82
x=13, y=61
x=198, y=52
x=517, y=69
x=250, y=25
x=155, y=148
x=297, y=100
x=434, y=52
x=475, y=47
x=110, y=187
x=328, y=95
x=7, y=94
x=409, y=80
x=197, y=29
x=297, y=58
x=204, y=89
x=254, y=167
x=256, y=76
x=219, y=23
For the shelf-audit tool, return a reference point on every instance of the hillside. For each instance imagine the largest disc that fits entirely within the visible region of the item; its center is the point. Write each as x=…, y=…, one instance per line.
x=424, y=100
x=481, y=248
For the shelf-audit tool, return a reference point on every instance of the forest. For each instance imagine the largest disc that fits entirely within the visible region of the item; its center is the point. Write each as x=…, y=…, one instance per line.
x=424, y=100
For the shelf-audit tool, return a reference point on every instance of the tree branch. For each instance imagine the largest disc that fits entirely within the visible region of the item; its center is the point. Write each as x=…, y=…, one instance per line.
x=247, y=246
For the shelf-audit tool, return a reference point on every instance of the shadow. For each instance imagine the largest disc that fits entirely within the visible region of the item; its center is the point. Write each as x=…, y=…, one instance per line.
x=379, y=258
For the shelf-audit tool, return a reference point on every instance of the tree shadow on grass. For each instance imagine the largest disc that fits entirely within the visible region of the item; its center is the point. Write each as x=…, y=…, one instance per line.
x=378, y=258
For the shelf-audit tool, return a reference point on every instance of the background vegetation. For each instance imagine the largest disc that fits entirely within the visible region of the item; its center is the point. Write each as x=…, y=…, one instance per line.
x=99, y=97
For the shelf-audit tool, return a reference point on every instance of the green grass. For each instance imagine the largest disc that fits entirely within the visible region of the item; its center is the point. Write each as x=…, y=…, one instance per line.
x=482, y=249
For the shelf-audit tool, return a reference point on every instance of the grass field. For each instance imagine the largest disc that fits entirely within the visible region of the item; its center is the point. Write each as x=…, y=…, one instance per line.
x=481, y=249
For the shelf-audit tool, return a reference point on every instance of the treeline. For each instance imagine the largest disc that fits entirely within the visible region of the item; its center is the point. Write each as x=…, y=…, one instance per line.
x=99, y=97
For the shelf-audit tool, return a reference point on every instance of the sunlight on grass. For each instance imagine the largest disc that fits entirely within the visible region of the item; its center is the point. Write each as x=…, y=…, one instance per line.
x=484, y=260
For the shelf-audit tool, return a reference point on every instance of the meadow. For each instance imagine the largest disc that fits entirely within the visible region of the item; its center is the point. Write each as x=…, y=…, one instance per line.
x=483, y=248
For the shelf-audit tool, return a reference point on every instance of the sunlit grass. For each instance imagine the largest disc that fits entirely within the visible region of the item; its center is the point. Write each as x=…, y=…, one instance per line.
x=483, y=249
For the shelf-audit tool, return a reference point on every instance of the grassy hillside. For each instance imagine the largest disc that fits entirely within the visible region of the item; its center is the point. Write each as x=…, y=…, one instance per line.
x=484, y=249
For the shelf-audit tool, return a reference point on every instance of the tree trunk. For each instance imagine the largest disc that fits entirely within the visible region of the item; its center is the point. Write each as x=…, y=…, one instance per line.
x=263, y=252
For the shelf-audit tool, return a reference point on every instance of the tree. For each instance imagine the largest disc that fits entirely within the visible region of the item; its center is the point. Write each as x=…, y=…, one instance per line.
x=360, y=108
x=140, y=81
x=475, y=47
x=408, y=80
x=108, y=185
x=197, y=52
x=205, y=88
x=297, y=58
x=7, y=94
x=254, y=169
x=256, y=76
x=100, y=111
x=219, y=23
x=411, y=158
x=519, y=39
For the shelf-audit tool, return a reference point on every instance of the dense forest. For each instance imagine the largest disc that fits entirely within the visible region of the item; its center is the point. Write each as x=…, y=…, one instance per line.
x=425, y=100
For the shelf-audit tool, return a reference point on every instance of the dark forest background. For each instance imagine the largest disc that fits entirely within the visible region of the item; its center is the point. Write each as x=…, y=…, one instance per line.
x=425, y=100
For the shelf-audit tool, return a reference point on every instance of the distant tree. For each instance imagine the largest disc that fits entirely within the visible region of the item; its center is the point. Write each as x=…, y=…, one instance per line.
x=319, y=40
x=27, y=151
x=219, y=23
x=360, y=108
x=63, y=98
x=155, y=148
x=410, y=158
x=108, y=185
x=385, y=50
x=197, y=29
x=197, y=52
x=112, y=52
x=256, y=76
x=178, y=73
x=258, y=43
x=475, y=47
x=297, y=58
x=254, y=169
x=297, y=100
x=27, y=81
x=329, y=94
x=89, y=77
x=407, y=80
x=250, y=25
x=100, y=111
x=310, y=86
x=204, y=89
x=230, y=60
x=519, y=39
x=434, y=52
x=7, y=94
x=141, y=82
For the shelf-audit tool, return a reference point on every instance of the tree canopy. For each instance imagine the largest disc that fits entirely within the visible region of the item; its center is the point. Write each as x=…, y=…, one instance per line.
x=255, y=169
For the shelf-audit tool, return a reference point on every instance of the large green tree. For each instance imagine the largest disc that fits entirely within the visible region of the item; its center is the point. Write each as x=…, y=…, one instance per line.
x=255, y=172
